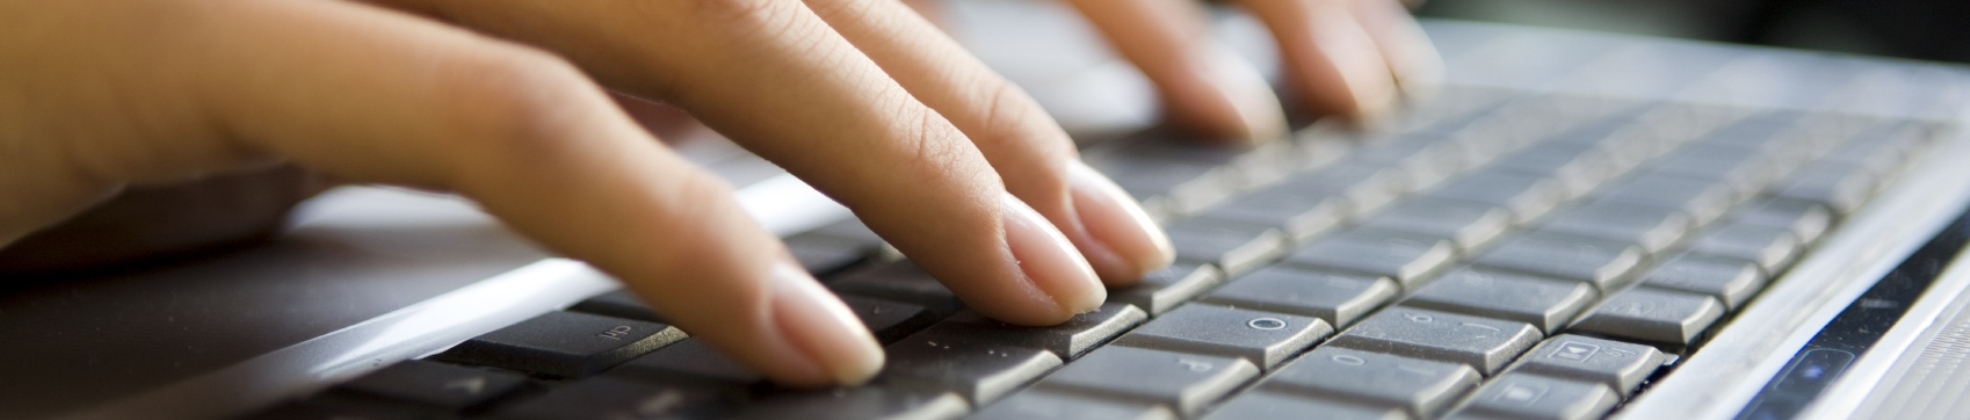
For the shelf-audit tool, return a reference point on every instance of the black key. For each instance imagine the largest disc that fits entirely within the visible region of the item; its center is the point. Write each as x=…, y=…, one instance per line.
x=1653, y=228
x=1545, y=303
x=857, y=403
x=1231, y=246
x=339, y=409
x=1422, y=388
x=1481, y=343
x=1521, y=396
x=1299, y=212
x=1603, y=263
x=1338, y=299
x=1621, y=366
x=1365, y=185
x=609, y=397
x=1527, y=196
x=619, y=304
x=1189, y=186
x=1841, y=187
x=822, y=255
x=450, y=387
x=692, y=358
x=901, y=281
x=889, y=321
x=1650, y=315
x=564, y=344
x=1164, y=289
x=1703, y=200
x=1263, y=338
x=1185, y=382
x=1772, y=248
x=1041, y=405
x=975, y=369
x=1267, y=406
x=1468, y=224
x=1068, y=340
x=1729, y=280
x=1403, y=257
x=1805, y=219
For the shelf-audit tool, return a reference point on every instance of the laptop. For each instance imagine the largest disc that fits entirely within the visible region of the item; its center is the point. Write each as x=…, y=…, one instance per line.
x=1577, y=225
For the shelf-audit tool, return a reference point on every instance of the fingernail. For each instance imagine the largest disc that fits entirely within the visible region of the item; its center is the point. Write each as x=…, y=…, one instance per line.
x=1049, y=261
x=818, y=326
x=1248, y=93
x=1125, y=239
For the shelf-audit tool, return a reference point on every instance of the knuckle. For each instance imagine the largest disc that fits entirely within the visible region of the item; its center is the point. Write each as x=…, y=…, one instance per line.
x=745, y=13
x=508, y=98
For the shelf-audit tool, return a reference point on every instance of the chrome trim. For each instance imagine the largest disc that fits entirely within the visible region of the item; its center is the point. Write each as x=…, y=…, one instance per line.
x=1860, y=389
x=1720, y=379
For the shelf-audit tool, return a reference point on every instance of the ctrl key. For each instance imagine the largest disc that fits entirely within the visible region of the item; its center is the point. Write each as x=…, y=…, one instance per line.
x=564, y=344
x=1522, y=396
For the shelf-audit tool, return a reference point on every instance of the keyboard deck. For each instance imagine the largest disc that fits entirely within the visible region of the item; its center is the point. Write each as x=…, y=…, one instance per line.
x=1493, y=253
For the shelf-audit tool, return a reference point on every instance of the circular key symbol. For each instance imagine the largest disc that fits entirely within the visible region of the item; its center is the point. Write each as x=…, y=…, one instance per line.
x=1267, y=324
x=1418, y=318
x=1349, y=360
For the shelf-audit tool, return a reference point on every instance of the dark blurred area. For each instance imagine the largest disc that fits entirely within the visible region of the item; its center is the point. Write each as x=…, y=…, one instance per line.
x=1920, y=29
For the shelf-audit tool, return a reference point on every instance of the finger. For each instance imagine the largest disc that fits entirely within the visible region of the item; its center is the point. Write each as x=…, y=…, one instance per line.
x=1331, y=61
x=1203, y=85
x=535, y=144
x=776, y=79
x=1411, y=57
x=1026, y=147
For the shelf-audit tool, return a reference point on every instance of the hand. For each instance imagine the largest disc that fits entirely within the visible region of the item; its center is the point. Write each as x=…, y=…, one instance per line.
x=503, y=101
x=1347, y=58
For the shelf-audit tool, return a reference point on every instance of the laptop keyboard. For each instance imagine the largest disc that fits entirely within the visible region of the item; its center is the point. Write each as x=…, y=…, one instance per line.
x=1493, y=253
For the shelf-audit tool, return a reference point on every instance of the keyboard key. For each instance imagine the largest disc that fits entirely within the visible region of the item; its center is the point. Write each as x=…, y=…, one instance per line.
x=889, y=321
x=1702, y=200
x=1299, y=212
x=1729, y=280
x=1657, y=316
x=1519, y=396
x=1841, y=187
x=564, y=344
x=1652, y=228
x=450, y=387
x=1526, y=196
x=1546, y=304
x=1745, y=171
x=1403, y=257
x=690, y=358
x=1365, y=185
x=1621, y=366
x=1481, y=343
x=1164, y=289
x=1339, y=299
x=1041, y=405
x=619, y=304
x=900, y=281
x=1602, y=263
x=1231, y=246
x=1578, y=168
x=609, y=397
x=1268, y=406
x=1805, y=219
x=1068, y=340
x=1190, y=186
x=823, y=255
x=1772, y=248
x=975, y=369
x=1186, y=382
x=1422, y=388
x=1263, y=338
x=1468, y=224
x=856, y=403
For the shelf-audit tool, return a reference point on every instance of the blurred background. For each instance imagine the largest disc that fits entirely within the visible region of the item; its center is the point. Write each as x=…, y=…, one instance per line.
x=1921, y=29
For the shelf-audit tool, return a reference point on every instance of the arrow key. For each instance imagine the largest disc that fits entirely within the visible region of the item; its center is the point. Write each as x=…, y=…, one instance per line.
x=440, y=385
